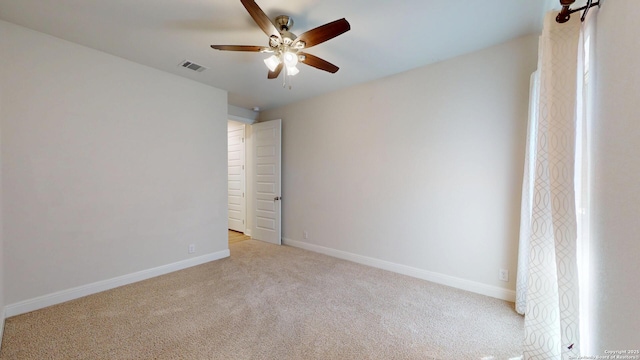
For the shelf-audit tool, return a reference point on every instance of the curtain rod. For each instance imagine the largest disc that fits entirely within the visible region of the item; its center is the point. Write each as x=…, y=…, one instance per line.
x=566, y=12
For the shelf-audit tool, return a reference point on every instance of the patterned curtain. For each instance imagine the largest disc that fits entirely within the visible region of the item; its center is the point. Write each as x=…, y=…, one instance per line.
x=547, y=285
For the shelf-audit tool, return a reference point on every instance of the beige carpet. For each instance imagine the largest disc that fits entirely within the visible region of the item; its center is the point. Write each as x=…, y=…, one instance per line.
x=271, y=302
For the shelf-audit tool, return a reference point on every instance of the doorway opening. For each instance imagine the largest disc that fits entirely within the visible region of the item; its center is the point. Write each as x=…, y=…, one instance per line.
x=254, y=177
x=236, y=185
x=237, y=181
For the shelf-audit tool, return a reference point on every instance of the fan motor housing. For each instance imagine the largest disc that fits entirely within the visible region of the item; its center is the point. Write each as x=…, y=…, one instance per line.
x=284, y=22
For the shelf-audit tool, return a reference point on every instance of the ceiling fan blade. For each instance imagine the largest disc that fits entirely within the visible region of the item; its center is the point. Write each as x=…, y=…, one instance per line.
x=323, y=33
x=274, y=74
x=317, y=63
x=261, y=18
x=251, y=48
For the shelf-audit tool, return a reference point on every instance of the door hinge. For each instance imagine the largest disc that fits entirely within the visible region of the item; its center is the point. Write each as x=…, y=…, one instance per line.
x=242, y=167
x=242, y=222
x=242, y=194
x=242, y=139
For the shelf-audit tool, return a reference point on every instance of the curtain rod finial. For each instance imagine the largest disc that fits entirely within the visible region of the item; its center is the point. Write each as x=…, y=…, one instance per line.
x=564, y=15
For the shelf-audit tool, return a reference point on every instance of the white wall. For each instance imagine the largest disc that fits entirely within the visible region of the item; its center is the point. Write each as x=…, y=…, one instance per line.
x=422, y=169
x=108, y=167
x=615, y=235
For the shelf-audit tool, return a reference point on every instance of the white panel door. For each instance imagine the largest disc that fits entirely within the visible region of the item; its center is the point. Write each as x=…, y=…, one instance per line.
x=236, y=177
x=266, y=181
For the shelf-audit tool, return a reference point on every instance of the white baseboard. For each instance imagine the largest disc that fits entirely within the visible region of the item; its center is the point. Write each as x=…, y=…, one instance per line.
x=2, y=316
x=458, y=283
x=96, y=287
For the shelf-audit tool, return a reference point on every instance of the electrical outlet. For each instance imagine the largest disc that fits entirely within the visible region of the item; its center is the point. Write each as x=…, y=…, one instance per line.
x=192, y=248
x=504, y=275
x=305, y=234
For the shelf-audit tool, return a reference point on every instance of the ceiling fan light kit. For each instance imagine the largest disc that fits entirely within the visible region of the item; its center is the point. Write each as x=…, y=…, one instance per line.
x=272, y=62
x=284, y=46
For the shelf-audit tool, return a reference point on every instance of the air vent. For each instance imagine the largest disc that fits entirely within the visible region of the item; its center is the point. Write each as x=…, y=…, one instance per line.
x=192, y=66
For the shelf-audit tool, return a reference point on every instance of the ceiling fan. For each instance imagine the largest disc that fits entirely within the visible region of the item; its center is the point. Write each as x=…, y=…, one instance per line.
x=285, y=47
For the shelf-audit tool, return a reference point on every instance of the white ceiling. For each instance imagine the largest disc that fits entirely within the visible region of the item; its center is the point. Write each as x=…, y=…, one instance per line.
x=386, y=37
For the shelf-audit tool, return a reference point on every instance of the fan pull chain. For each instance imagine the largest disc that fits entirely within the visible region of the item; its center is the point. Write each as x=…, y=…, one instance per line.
x=284, y=80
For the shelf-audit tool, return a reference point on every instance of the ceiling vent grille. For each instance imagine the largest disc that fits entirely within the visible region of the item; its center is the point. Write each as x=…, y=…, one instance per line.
x=192, y=66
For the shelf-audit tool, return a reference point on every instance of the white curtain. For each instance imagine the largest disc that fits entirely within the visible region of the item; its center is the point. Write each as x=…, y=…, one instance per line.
x=547, y=284
x=583, y=135
x=527, y=195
